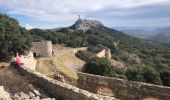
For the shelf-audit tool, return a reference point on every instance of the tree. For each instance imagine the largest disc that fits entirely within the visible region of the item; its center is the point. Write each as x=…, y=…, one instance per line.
x=13, y=38
x=143, y=73
x=165, y=76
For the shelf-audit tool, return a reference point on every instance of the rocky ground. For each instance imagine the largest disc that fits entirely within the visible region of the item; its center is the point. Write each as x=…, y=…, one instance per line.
x=15, y=87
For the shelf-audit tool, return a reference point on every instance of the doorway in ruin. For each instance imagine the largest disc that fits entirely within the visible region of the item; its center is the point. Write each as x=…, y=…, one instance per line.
x=34, y=54
x=105, y=91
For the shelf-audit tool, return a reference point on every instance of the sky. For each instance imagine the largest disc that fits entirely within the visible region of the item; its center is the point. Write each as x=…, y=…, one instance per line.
x=62, y=13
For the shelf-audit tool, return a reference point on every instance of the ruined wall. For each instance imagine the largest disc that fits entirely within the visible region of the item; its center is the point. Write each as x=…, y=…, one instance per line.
x=80, y=49
x=61, y=91
x=108, y=53
x=42, y=48
x=101, y=53
x=104, y=53
x=29, y=61
x=122, y=89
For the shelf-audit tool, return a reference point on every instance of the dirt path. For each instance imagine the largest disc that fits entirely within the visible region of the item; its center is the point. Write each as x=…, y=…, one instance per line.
x=70, y=60
x=64, y=60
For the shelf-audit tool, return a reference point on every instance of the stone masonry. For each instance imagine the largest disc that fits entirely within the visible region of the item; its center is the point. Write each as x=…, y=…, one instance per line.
x=104, y=53
x=122, y=89
x=43, y=48
x=59, y=90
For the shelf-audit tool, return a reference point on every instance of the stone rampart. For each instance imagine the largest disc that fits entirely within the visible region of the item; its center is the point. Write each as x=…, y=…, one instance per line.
x=122, y=89
x=59, y=90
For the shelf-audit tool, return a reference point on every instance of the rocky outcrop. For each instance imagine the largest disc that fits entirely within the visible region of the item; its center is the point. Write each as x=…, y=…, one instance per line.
x=86, y=24
x=4, y=95
x=33, y=95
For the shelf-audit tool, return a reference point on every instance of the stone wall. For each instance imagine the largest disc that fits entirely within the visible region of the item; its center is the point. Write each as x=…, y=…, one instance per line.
x=42, y=48
x=104, y=53
x=80, y=49
x=101, y=53
x=122, y=89
x=59, y=90
x=29, y=61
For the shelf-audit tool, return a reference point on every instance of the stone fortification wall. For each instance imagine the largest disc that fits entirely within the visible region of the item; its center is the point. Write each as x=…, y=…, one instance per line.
x=122, y=89
x=59, y=90
x=80, y=49
x=101, y=53
x=104, y=53
x=42, y=48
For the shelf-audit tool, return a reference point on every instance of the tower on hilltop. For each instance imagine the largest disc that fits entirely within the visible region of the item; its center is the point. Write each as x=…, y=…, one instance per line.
x=79, y=16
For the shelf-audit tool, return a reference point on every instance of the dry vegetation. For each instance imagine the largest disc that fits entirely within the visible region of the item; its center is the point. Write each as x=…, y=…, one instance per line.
x=64, y=61
x=12, y=81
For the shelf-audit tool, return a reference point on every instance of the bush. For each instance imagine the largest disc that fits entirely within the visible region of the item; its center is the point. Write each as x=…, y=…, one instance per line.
x=143, y=74
x=85, y=55
x=13, y=38
x=165, y=76
x=99, y=66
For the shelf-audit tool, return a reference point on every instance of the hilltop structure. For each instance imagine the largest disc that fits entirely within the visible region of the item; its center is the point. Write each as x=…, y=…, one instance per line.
x=84, y=24
x=43, y=48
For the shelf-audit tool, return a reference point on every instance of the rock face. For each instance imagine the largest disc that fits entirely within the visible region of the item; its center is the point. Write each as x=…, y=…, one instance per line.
x=86, y=24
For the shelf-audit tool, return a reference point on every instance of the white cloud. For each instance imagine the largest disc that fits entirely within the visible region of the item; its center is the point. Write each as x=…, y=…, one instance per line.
x=67, y=10
x=27, y=26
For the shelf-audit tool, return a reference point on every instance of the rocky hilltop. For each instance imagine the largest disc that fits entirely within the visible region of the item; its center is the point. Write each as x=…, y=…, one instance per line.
x=86, y=24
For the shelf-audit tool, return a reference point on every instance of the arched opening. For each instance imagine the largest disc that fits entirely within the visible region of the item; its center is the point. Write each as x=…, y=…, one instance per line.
x=105, y=91
x=34, y=54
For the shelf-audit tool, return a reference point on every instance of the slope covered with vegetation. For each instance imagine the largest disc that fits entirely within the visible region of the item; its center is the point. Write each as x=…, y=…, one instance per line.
x=13, y=38
x=145, y=60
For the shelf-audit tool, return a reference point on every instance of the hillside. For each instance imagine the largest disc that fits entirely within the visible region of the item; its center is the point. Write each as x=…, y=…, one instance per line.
x=140, y=33
x=13, y=38
x=160, y=35
x=137, y=54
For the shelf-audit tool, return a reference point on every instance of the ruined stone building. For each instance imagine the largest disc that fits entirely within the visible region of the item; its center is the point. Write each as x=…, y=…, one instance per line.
x=105, y=52
x=43, y=48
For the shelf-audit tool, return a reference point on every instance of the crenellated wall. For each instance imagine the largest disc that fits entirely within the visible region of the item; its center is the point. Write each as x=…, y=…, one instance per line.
x=122, y=89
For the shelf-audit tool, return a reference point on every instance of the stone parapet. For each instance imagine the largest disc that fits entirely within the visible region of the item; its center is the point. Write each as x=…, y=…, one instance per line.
x=122, y=89
x=59, y=90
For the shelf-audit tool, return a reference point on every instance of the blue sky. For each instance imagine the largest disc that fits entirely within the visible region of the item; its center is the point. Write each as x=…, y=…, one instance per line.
x=57, y=13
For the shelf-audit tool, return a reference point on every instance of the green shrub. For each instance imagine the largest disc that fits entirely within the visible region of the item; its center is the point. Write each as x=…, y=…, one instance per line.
x=165, y=76
x=13, y=38
x=99, y=66
x=143, y=74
